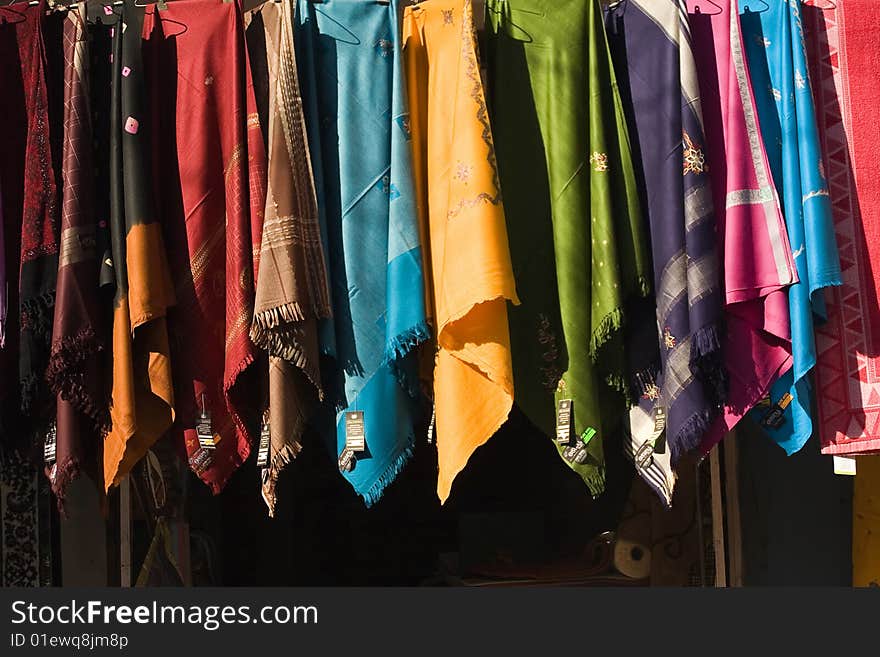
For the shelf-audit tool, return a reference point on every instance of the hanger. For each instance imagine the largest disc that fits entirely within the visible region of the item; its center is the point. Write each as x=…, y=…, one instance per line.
x=814, y=3
x=697, y=9
x=747, y=10
x=160, y=5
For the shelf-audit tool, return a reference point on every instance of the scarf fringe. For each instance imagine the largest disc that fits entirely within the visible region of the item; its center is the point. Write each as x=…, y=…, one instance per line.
x=64, y=375
x=690, y=435
x=609, y=325
x=270, y=331
x=706, y=363
x=280, y=460
x=286, y=313
x=403, y=343
x=595, y=482
x=64, y=476
x=376, y=490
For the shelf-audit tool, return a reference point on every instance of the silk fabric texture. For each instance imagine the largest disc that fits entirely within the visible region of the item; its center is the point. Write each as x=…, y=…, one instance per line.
x=213, y=182
x=757, y=260
x=292, y=291
x=575, y=228
x=349, y=53
x=74, y=371
x=651, y=45
x=777, y=60
x=142, y=393
x=468, y=256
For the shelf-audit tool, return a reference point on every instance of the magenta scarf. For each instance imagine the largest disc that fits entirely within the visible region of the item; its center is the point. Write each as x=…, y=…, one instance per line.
x=757, y=259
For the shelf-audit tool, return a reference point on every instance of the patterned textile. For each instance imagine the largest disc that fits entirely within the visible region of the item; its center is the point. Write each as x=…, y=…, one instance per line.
x=580, y=255
x=651, y=45
x=353, y=87
x=74, y=365
x=292, y=291
x=142, y=397
x=468, y=256
x=777, y=59
x=31, y=216
x=843, y=58
x=212, y=182
x=25, y=524
x=757, y=259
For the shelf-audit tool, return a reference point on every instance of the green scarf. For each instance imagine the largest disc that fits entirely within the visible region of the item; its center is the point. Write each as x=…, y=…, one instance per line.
x=576, y=232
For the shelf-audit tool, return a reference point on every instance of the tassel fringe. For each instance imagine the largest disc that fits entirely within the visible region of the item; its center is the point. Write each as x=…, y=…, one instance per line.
x=376, y=490
x=280, y=460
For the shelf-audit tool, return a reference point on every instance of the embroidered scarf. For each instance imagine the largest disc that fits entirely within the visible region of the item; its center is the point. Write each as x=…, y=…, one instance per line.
x=469, y=258
x=651, y=45
x=774, y=41
x=756, y=258
x=30, y=213
x=74, y=364
x=292, y=291
x=213, y=191
x=843, y=58
x=357, y=118
x=567, y=174
x=142, y=396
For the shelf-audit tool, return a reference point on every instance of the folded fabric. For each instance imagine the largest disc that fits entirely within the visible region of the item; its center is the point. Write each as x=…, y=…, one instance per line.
x=142, y=395
x=757, y=261
x=352, y=84
x=468, y=259
x=651, y=47
x=777, y=60
x=843, y=58
x=576, y=232
x=292, y=291
x=74, y=372
x=212, y=179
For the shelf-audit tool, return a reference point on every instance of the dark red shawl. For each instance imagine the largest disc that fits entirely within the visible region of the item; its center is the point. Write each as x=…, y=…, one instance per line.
x=29, y=211
x=212, y=173
x=73, y=372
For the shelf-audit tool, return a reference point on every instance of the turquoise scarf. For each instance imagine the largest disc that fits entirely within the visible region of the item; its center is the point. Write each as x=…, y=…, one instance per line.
x=777, y=61
x=355, y=106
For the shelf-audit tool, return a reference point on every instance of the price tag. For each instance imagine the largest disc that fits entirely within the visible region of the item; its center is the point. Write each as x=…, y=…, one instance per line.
x=50, y=444
x=844, y=465
x=564, y=416
x=263, y=451
x=354, y=431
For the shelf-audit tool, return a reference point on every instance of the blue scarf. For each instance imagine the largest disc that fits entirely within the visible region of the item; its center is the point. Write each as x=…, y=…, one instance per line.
x=777, y=62
x=355, y=106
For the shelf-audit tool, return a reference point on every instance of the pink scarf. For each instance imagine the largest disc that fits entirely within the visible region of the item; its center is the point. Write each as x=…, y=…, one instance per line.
x=757, y=259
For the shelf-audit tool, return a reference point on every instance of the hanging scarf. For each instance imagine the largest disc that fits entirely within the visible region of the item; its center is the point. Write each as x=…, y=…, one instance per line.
x=292, y=289
x=212, y=181
x=757, y=259
x=3, y=282
x=650, y=42
x=359, y=136
x=774, y=41
x=567, y=175
x=457, y=180
x=142, y=404
x=842, y=53
x=73, y=371
x=30, y=211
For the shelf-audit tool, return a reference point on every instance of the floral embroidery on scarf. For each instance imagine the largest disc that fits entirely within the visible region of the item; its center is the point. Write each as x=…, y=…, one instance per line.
x=652, y=392
x=599, y=161
x=403, y=123
x=799, y=80
x=777, y=95
x=822, y=168
x=389, y=188
x=762, y=41
x=463, y=172
x=384, y=47
x=448, y=17
x=469, y=54
x=694, y=159
x=668, y=339
x=552, y=375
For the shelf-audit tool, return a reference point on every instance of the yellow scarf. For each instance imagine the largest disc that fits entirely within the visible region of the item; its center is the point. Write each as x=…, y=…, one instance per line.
x=466, y=252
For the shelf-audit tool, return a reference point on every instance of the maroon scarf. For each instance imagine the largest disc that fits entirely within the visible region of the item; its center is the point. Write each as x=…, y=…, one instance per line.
x=73, y=372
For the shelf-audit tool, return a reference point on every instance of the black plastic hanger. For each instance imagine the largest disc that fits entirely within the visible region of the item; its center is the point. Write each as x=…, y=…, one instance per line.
x=698, y=10
x=748, y=10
